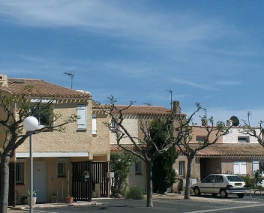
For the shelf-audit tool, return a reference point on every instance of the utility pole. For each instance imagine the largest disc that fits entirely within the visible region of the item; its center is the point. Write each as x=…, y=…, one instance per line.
x=170, y=91
x=71, y=75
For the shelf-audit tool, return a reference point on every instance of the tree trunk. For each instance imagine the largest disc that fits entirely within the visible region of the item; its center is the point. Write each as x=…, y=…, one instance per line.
x=4, y=171
x=149, y=165
x=188, y=176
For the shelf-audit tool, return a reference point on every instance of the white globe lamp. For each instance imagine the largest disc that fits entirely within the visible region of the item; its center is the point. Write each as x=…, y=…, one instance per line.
x=30, y=124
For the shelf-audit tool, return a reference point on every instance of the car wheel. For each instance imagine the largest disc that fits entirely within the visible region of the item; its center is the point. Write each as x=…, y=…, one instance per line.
x=241, y=195
x=214, y=194
x=223, y=193
x=197, y=191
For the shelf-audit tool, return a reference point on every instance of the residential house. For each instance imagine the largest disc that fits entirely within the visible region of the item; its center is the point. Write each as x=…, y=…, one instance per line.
x=234, y=153
x=61, y=158
x=134, y=116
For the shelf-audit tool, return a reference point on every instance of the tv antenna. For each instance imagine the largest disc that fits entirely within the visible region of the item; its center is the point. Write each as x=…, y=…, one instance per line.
x=170, y=91
x=249, y=114
x=71, y=75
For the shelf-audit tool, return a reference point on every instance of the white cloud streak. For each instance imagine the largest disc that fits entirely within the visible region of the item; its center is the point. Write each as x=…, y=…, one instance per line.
x=116, y=19
x=193, y=84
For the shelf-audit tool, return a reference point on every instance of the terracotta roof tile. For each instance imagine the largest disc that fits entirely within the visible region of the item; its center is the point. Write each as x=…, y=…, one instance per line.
x=145, y=110
x=116, y=148
x=16, y=86
x=233, y=149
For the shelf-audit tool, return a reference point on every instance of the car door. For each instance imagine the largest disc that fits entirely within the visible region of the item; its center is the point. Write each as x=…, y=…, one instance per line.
x=208, y=184
x=218, y=183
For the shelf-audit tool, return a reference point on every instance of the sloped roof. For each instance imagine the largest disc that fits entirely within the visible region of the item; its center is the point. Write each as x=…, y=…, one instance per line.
x=144, y=110
x=17, y=85
x=233, y=150
x=116, y=148
x=216, y=150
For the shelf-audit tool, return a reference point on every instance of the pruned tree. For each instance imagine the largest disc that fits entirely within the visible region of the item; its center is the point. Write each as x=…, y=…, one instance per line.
x=14, y=109
x=144, y=146
x=213, y=133
x=251, y=131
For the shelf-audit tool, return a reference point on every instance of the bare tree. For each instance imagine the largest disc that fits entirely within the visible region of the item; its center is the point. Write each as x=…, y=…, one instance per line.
x=190, y=149
x=144, y=146
x=251, y=131
x=14, y=109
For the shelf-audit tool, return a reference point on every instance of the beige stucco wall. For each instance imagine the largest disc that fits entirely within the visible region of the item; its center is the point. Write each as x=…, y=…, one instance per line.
x=131, y=124
x=201, y=131
x=101, y=140
x=70, y=140
x=55, y=185
x=137, y=179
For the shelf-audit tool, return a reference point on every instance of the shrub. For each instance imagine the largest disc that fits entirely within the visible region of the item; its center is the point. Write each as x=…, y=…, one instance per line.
x=135, y=193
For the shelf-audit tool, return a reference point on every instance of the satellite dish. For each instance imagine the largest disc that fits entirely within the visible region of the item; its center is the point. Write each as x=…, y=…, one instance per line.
x=235, y=120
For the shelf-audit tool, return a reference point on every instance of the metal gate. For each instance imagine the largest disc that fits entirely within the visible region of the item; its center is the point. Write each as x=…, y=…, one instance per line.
x=81, y=181
x=86, y=176
x=99, y=172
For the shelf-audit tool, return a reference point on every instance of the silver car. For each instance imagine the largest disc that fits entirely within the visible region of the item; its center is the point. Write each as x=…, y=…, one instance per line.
x=222, y=184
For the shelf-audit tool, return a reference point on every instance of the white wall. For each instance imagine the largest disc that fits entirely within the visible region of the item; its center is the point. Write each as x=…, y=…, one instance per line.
x=232, y=137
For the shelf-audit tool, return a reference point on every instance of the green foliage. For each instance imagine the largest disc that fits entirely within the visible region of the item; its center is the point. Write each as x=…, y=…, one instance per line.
x=253, y=181
x=135, y=193
x=163, y=175
x=120, y=164
x=249, y=181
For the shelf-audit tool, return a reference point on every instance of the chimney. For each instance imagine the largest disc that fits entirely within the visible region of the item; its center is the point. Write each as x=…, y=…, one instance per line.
x=229, y=123
x=3, y=80
x=204, y=122
x=176, y=106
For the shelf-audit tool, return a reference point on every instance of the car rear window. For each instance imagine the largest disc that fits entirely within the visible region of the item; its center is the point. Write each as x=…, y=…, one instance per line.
x=233, y=178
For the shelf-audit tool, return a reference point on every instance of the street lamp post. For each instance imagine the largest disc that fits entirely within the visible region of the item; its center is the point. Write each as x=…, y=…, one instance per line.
x=31, y=124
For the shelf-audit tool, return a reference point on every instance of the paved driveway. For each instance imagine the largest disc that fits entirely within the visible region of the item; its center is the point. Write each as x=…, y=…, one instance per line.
x=165, y=204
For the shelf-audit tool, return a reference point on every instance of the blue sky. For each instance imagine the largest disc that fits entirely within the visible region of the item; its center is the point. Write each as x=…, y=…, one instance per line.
x=205, y=51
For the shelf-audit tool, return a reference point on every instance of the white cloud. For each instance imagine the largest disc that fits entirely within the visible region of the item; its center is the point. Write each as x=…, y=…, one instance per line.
x=193, y=84
x=228, y=83
x=118, y=19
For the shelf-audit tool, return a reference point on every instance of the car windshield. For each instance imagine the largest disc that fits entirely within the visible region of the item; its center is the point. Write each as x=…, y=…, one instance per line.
x=233, y=178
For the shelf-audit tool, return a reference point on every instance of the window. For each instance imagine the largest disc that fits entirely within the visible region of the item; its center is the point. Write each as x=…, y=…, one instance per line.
x=138, y=167
x=218, y=179
x=258, y=165
x=94, y=124
x=82, y=116
x=200, y=138
x=42, y=113
x=182, y=168
x=19, y=172
x=243, y=139
x=113, y=124
x=61, y=167
x=240, y=168
x=209, y=179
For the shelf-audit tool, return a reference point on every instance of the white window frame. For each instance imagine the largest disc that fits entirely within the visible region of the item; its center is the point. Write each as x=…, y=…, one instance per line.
x=82, y=116
x=240, y=168
x=94, y=124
